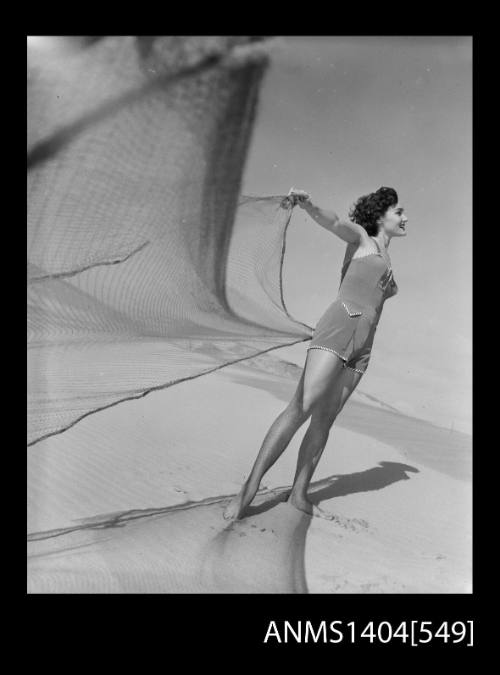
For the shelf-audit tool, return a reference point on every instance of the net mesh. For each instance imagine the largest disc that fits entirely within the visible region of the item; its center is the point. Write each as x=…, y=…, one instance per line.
x=145, y=265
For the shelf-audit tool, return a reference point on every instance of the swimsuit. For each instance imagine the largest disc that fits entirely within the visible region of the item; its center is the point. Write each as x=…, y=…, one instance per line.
x=347, y=328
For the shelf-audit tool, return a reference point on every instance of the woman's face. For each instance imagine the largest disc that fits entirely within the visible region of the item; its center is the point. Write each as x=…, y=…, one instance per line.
x=393, y=223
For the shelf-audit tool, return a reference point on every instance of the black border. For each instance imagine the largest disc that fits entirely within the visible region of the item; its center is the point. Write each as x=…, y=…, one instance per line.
x=207, y=625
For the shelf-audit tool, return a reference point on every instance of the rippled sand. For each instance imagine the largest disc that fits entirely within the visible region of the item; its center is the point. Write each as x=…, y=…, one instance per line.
x=130, y=500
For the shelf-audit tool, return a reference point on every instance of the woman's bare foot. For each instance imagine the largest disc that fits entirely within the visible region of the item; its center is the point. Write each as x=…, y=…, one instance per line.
x=234, y=508
x=237, y=505
x=311, y=509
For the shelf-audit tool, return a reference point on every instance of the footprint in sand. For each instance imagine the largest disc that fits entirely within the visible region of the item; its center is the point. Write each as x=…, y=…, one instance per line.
x=353, y=524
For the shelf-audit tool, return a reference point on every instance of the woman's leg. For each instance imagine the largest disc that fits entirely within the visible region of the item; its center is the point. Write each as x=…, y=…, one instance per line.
x=315, y=438
x=321, y=369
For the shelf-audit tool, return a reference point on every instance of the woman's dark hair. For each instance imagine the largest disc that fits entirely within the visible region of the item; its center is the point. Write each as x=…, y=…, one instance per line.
x=369, y=208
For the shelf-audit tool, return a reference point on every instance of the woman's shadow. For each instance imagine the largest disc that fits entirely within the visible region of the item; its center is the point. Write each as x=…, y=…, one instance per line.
x=340, y=485
x=269, y=556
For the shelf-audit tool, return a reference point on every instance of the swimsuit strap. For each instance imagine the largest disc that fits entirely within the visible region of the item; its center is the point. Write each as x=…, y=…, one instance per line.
x=389, y=265
x=378, y=247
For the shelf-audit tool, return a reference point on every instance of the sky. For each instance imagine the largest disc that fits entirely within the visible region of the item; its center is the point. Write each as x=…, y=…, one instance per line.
x=340, y=117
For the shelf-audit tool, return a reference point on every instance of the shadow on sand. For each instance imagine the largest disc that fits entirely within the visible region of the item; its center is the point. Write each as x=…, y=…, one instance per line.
x=190, y=548
x=267, y=546
x=340, y=485
x=444, y=450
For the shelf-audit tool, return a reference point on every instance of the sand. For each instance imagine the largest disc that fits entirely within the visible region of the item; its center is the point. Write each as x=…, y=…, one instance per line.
x=130, y=499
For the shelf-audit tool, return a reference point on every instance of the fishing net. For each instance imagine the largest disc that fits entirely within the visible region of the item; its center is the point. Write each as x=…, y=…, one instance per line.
x=146, y=267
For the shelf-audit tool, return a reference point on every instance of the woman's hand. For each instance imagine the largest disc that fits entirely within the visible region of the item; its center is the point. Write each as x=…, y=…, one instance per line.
x=299, y=197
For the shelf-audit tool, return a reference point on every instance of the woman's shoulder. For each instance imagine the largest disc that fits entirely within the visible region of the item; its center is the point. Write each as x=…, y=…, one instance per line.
x=364, y=246
x=354, y=246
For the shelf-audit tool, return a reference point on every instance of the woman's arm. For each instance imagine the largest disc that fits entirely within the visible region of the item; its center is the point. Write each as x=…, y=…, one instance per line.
x=352, y=233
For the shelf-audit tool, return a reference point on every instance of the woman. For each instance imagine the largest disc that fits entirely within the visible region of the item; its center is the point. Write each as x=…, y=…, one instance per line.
x=340, y=348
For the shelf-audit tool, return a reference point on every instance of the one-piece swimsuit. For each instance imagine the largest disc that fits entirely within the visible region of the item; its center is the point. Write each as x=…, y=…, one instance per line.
x=347, y=327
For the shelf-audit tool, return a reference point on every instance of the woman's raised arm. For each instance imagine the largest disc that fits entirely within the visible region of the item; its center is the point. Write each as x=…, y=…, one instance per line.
x=352, y=233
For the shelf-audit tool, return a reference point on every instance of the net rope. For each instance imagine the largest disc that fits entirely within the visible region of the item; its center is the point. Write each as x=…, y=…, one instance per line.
x=146, y=267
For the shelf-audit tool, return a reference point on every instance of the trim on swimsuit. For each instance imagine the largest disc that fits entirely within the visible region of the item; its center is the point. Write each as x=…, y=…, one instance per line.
x=377, y=252
x=357, y=370
x=360, y=257
x=349, y=311
x=327, y=349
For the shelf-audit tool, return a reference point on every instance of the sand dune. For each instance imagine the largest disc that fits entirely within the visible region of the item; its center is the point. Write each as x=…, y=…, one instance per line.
x=130, y=499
